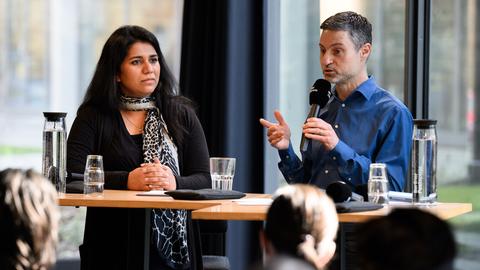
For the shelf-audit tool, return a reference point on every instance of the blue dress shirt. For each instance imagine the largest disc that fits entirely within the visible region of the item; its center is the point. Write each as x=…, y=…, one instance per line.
x=372, y=125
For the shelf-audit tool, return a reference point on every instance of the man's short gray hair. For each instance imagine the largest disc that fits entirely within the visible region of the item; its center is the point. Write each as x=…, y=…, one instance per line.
x=356, y=25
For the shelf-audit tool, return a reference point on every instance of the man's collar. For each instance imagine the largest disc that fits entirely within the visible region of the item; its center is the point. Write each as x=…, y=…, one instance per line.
x=366, y=88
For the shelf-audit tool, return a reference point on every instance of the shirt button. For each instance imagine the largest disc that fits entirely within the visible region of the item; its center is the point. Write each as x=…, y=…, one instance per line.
x=326, y=171
x=336, y=125
x=343, y=105
x=334, y=158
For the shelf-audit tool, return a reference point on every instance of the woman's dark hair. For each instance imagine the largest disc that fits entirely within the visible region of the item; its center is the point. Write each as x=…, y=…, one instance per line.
x=104, y=91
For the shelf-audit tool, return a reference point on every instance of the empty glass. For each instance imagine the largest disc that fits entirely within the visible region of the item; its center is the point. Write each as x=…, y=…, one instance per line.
x=94, y=176
x=222, y=171
x=378, y=183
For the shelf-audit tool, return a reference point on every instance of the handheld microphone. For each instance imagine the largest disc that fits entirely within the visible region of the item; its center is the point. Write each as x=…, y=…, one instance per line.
x=319, y=96
x=362, y=190
x=340, y=192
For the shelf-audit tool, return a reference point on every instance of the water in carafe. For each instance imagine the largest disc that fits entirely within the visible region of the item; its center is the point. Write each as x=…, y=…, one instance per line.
x=424, y=162
x=54, y=149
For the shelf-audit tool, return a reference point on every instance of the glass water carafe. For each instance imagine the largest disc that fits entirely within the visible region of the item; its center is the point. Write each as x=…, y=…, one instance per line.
x=424, y=161
x=54, y=156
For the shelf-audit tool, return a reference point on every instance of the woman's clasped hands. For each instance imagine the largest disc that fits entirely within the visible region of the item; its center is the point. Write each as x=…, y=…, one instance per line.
x=151, y=176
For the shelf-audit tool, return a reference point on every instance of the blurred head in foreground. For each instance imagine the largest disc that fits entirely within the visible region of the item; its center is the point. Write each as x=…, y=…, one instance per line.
x=302, y=223
x=28, y=220
x=406, y=239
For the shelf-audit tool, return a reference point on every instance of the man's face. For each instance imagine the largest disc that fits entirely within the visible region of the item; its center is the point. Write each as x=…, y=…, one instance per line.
x=341, y=62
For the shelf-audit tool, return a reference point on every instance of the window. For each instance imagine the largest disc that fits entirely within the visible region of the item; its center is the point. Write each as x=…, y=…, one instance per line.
x=299, y=65
x=452, y=87
x=48, y=52
x=452, y=102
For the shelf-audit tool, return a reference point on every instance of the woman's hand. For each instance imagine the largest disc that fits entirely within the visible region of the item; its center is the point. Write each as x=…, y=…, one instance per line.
x=152, y=176
x=137, y=180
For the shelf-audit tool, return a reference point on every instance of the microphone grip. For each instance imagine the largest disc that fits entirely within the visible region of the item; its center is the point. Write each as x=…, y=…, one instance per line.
x=305, y=142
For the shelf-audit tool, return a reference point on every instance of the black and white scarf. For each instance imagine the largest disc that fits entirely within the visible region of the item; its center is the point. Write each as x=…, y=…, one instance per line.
x=169, y=227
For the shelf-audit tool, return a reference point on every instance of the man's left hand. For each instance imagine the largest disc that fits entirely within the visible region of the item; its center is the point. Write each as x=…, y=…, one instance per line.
x=319, y=130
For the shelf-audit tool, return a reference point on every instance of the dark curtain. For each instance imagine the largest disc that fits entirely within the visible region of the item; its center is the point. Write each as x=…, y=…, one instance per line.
x=222, y=71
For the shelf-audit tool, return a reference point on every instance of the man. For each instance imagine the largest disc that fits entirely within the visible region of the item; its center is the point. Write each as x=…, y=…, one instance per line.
x=361, y=123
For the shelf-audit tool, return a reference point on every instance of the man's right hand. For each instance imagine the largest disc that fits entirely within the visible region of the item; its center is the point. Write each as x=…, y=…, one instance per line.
x=278, y=134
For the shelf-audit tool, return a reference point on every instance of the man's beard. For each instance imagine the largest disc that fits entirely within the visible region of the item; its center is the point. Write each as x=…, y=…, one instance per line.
x=339, y=78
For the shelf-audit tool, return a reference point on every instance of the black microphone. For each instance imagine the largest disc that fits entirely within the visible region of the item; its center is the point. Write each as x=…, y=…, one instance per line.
x=340, y=192
x=362, y=190
x=319, y=96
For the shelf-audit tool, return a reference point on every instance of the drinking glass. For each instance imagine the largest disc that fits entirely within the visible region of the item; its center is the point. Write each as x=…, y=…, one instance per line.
x=222, y=170
x=378, y=183
x=94, y=176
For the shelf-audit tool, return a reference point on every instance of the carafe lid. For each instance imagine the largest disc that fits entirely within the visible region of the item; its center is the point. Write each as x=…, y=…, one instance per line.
x=424, y=123
x=54, y=116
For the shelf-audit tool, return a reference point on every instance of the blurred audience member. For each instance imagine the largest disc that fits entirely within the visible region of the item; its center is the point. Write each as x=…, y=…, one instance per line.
x=28, y=220
x=406, y=239
x=302, y=223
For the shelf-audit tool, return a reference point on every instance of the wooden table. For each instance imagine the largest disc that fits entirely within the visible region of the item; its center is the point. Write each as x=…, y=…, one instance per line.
x=130, y=199
x=234, y=211
x=231, y=210
x=442, y=210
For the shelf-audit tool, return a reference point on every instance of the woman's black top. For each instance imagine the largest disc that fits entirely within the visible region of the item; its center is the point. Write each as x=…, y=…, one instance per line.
x=114, y=237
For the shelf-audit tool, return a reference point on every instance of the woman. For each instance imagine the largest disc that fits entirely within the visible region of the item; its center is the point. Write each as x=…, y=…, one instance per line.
x=302, y=223
x=149, y=138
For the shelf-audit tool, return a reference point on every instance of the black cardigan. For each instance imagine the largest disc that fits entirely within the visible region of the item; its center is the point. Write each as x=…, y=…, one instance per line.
x=113, y=237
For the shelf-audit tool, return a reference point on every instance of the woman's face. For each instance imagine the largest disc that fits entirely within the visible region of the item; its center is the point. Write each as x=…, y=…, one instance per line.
x=139, y=71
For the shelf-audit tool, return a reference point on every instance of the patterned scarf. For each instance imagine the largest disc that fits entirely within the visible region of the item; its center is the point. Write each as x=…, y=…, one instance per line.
x=169, y=227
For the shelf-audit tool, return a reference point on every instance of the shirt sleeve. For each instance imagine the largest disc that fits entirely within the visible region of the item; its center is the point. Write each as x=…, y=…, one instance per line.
x=290, y=165
x=393, y=150
x=196, y=168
